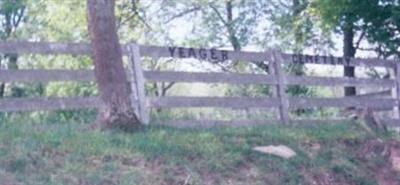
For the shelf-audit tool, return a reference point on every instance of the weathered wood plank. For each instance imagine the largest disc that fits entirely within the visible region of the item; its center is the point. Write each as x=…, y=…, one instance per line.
x=246, y=102
x=204, y=124
x=39, y=75
x=170, y=76
x=395, y=123
x=338, y=81
x=358, y=102
x=386, y=93
x=212, y=55
x=45, y=48
x=231, y=78
x=137, y=83
x=397, y=79
x=331, y=60
x=281, y=87
x=243, y=123
x=213, y=123
x=47, y=104
x=300, y=122
x=222, y=102
x=159, y=51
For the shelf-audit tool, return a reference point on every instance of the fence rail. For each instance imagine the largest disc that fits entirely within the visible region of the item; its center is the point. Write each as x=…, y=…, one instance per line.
x=49, y=48
x=386, y=100
x=44, y=76
x=241, y=123
x=47, y=104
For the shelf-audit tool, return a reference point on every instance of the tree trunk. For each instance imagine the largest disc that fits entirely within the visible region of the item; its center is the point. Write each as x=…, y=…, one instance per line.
x=2, y=88
x=231, y=31
x=349, y=51
x=298, y=69
x=2, y=84
x=12, y=64
x=116, y=110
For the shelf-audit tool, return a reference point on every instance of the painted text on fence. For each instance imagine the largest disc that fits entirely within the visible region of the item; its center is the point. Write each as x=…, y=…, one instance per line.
x=201, y=54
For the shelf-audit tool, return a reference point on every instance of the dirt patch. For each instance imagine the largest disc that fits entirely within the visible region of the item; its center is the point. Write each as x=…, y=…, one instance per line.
x=370, y=149
x=320, y=178
x=386, y=172
x=7, y=178
x=390, y=173
x=385, y=176
x=311, y=148
x=394, y=155
x=380, y=158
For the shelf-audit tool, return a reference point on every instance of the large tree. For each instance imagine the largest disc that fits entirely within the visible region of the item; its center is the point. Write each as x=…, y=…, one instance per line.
x=116, y=111
x=342, y=16
x=376, y=20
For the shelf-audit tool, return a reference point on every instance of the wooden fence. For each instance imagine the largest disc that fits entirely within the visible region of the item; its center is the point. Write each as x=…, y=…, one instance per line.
x=273, y=59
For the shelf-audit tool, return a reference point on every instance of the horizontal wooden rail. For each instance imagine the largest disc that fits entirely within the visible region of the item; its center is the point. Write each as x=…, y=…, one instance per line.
x=221, y=102
x=217, y=123
x=71, y=103
x=245, y=102
x=231, y=78
x=391, y=122
x=46, y=48
x=241, y=123
x=212, y=55
x=342, y=102
x=338, y=81
x=52, y=103
x=202, y=77
x=339, y=61
x=40, y=75
x=213, y=123
x=386, y=93
x=47, y=104
x=153, y=76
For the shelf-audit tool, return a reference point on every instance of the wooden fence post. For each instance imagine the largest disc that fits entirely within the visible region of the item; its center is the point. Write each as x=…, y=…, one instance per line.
x=397, y=79
x=138, y=95
x=281, y=87
x=274, y=90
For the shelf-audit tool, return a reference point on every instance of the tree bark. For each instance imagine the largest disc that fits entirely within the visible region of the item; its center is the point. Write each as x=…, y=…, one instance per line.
x=116, y=110
x=12, y=19
x=231, y=31
x=2, y=84
x=349, y=52
x=298, y=69
x=12, y=64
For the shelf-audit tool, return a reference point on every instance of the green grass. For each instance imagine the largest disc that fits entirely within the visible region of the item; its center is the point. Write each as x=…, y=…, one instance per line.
x=68, y=153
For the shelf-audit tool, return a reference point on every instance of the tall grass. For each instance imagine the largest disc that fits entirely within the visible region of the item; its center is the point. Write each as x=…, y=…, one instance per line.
x=68, y=152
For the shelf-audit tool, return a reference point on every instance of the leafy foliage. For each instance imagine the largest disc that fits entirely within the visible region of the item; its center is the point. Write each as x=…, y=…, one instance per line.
x=379, y=19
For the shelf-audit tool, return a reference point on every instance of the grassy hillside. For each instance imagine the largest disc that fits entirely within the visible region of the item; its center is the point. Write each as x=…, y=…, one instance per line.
x=68, y=153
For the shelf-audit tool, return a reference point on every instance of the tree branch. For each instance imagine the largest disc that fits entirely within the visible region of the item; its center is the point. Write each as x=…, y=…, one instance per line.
x=357, y=46
x=135, y=11
x=183, y=13
x=165, y=88
x=219, y=15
